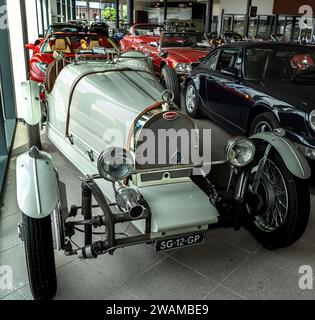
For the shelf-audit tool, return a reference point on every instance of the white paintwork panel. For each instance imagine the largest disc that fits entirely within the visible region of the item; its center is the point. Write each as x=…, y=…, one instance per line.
x=37, y=185
x=117, y=101
x=32, y=108
x=102, y=110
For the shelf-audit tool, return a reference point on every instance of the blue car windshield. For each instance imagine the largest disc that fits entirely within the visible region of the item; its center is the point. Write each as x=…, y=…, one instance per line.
x=278, y=62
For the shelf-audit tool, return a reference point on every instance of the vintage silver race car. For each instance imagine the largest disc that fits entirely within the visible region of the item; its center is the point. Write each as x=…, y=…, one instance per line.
x=138, y=154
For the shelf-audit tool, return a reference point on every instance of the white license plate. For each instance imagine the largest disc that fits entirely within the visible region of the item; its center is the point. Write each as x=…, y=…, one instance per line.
x=180, y=242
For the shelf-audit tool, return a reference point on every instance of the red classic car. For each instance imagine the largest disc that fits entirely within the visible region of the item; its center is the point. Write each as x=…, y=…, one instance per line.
x=174, y=55
x=140, y=33
x=66, y=43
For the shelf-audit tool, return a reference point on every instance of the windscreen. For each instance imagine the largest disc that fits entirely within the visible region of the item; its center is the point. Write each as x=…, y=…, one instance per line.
x=148, y=30
x=67, y=28
x=180, y=40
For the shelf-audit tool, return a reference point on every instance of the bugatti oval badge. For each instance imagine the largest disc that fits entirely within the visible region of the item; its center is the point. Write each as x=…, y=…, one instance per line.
x=170, y=116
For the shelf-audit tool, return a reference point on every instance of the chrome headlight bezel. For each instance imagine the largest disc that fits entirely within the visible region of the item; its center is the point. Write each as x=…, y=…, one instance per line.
x=311, y=119
x=115, y=164
x=237, y=143
x=185, y=68
x=42, y=66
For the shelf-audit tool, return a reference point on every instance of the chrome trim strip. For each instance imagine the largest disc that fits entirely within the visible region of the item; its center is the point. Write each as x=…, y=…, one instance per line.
x=37, y=194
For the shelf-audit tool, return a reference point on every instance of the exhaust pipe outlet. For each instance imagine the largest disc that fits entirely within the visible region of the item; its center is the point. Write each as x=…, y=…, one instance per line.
x=128, y=200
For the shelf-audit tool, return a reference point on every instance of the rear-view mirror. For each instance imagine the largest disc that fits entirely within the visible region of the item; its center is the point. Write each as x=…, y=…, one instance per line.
x=32, y=46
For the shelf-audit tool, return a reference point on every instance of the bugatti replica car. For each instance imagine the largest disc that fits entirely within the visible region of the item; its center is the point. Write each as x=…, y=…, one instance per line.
x=138, y=155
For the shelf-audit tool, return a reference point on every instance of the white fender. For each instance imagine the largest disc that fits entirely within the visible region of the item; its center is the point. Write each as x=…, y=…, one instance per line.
x=37, y=184
x=32, y=111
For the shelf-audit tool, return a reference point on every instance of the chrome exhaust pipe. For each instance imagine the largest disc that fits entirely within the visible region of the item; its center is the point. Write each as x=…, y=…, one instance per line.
x=128, y=199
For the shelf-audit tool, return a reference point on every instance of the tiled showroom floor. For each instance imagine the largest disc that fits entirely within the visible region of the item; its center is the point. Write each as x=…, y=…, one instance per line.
x=231, y=265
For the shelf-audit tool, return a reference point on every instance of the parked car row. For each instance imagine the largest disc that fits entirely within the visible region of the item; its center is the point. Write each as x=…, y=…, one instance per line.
x=246, y=86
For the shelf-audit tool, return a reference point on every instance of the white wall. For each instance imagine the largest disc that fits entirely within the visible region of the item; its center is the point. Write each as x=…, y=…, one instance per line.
x=17, y=51
x=265, y=7
x=234, y=6
x=216, y=9
x=31, y=21
x=240, y=6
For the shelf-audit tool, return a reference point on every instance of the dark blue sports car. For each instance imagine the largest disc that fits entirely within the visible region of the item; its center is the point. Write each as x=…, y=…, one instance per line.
x=251, y=87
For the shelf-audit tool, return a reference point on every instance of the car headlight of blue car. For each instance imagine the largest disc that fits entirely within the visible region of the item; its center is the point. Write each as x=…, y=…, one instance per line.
x=311, y=120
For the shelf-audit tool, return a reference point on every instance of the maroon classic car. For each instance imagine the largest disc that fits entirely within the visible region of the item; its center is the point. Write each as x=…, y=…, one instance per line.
x=174, y=55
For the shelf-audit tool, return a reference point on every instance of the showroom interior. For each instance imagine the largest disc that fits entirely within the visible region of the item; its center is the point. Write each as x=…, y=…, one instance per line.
x=230, y=264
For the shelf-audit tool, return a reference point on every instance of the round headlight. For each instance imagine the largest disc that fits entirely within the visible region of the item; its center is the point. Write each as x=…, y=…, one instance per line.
x=311, y=120
x=115, y=164
x=240, y=152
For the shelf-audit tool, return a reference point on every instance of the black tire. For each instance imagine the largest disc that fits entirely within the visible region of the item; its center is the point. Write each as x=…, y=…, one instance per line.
x=34, y=136
x=40, y=259
x=170, y=81
x=267, y=118
x=195, y=112
x=298, y=211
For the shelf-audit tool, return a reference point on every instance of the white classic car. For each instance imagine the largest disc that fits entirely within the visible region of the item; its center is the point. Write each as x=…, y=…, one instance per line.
x=138, y=153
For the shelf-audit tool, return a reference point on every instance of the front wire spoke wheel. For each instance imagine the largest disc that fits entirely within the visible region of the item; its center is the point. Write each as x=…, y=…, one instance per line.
x=278, y=213
x=273, y=190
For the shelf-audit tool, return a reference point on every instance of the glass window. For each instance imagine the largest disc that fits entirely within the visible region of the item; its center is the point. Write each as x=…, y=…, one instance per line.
x=211, y=60
x=281, y=25
x=215, y=24
x=252, y=30
x=302, y=31
x=39, y=17
x=238, y=24
x=227, y=23
x=279, y=62
x=288, y=28
x=264, y=25
x=227, y=59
